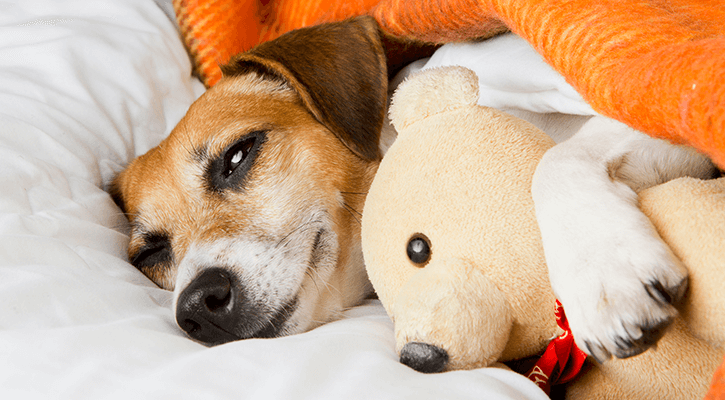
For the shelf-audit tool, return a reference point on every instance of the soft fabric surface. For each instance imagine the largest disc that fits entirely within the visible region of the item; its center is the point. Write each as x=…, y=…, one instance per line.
x=717, y=389
x=86, y=85
x=511, y=76
x=215, y=30
x=654, y=65
x=688, y=206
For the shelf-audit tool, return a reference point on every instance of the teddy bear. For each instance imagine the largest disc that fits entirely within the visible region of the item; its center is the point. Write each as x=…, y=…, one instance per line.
x=453, y=250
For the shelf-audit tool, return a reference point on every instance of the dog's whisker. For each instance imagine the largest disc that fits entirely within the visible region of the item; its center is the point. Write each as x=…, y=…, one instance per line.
x=358, y=193
x=327, y=285
x=312, y=278
x=189, y=144
x=352, y=212
x=334, y=314
x=286, y=314
x=305, y=226
x=283, y=243
x=127, y=215
x=122, y=226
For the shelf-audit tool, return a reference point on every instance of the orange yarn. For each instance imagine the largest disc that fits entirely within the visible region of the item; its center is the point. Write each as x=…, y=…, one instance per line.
x=717, y=388
x=437, y=21
x=215, y=30
x=656, y=65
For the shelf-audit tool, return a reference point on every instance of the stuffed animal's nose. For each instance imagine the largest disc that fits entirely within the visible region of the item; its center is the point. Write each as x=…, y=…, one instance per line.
x=424, y=357
x=206, y=308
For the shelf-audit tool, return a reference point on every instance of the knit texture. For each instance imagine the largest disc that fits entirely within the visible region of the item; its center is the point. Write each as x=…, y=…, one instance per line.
x=215, y=30
x=717, y=389
x=655, y=65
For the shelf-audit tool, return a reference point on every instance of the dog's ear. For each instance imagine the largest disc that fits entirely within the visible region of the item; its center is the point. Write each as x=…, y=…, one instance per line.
x=339, y=71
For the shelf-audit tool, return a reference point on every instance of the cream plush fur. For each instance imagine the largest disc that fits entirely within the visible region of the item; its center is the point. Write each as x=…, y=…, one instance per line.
x=460, y=174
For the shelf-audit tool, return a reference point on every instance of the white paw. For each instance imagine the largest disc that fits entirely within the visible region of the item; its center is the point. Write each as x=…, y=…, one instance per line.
x=616, y=278
x=618, y=282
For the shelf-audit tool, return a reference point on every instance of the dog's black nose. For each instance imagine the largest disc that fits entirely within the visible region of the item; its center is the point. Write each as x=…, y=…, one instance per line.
x=424, y=357
x=205, y=309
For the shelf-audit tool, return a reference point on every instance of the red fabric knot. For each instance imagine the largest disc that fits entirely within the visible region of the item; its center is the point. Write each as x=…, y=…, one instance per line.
x=562, y=360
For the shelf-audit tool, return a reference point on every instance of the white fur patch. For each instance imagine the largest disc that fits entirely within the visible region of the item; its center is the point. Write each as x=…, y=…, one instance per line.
x=607, y=264
x=274, y=271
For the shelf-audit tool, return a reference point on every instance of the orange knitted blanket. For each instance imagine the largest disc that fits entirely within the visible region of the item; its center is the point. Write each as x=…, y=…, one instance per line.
x=656, y=65
x=717, y=387
x=215, y=30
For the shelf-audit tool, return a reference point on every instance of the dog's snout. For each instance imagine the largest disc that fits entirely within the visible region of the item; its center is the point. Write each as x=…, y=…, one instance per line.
x=205, y=309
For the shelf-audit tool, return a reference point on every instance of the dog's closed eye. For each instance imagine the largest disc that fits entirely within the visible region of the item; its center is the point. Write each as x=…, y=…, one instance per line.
x=157, y=250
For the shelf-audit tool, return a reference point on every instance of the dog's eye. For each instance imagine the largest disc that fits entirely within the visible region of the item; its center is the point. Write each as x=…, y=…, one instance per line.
x=229, y=169
x=157, y=250
x=236, y=155
x=418, y=249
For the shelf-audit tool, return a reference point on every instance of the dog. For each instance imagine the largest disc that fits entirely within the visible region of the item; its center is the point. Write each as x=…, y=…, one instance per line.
x=250, y=210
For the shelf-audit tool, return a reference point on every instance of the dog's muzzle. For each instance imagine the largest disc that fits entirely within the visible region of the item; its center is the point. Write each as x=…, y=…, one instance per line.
x=214, y=309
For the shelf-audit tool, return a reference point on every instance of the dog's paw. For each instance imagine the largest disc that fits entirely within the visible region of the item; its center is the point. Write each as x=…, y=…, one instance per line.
x=619, y=289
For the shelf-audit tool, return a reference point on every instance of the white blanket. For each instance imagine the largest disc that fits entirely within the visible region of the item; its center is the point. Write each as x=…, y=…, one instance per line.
x=85, y=86
x=512, y=76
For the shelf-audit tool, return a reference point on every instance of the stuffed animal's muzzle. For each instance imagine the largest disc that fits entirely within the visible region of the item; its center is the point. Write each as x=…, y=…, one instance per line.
x=451, y=290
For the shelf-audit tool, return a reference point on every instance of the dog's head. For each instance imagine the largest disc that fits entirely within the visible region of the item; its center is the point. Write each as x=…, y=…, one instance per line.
x=249, y=210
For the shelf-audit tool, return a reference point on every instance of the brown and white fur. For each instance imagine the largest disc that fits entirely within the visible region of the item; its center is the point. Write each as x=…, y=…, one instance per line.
x=250, y=209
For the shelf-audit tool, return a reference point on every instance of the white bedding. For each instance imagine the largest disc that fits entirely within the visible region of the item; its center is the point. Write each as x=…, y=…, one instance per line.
x=85, y=85
x=512, y=76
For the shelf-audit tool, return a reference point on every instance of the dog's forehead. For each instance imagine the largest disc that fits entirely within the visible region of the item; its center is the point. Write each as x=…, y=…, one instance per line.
x=168, y=184
x=221, y=116
x=234, y=107
x=165, y=188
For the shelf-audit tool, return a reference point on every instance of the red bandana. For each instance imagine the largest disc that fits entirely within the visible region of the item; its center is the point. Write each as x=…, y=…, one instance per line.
x=561, y=361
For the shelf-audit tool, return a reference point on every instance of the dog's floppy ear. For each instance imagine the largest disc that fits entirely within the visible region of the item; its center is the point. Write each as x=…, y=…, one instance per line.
x=339, y=71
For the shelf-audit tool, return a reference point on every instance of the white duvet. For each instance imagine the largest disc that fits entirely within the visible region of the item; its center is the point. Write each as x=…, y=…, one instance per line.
x=86, y=85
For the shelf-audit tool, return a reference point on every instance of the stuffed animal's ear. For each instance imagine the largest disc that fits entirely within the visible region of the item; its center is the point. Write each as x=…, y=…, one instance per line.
x=339, y=71
x=432, y=91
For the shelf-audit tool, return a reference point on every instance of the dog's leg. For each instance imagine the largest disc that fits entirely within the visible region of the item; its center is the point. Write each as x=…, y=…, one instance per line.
x=614, y=275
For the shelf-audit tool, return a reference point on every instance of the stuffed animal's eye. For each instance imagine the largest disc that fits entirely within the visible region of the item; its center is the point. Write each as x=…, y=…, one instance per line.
x=419, y=249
